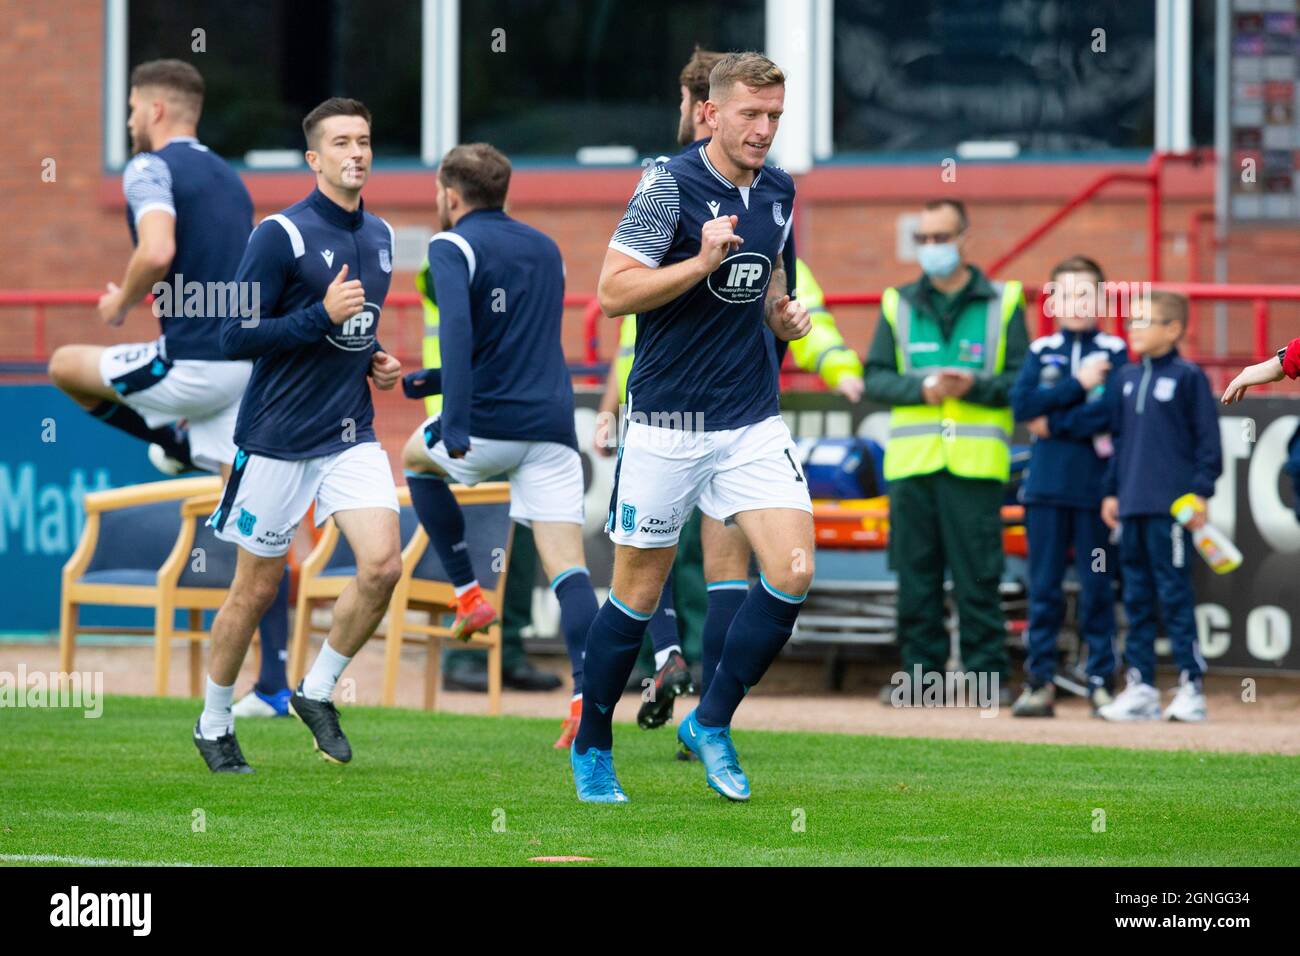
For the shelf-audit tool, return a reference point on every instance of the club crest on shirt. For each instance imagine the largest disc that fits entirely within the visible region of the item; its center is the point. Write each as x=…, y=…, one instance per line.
x=776, y=214
x=385, y=262
x=357, y=333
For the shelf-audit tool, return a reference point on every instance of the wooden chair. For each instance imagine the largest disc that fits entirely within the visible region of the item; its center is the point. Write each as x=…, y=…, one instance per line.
x=137, y=550
x=424, y=586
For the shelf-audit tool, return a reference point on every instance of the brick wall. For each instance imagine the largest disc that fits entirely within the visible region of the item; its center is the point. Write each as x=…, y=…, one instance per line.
x=70, y=234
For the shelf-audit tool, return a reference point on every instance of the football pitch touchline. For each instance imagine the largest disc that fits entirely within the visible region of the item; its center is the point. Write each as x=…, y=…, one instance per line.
x=78, y=860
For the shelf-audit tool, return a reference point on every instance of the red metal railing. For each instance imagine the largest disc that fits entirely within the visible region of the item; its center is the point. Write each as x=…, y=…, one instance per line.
x=407, y=332
x=1151, y=177
x=403, y=336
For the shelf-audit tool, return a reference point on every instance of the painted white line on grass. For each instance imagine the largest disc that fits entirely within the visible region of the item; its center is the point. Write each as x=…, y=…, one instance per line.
x=78, y=860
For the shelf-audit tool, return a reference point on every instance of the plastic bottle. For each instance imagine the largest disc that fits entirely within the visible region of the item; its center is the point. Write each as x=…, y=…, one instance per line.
x=1215, y=547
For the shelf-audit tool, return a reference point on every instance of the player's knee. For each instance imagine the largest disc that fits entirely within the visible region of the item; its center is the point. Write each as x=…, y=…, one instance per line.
x=63, y=367
x=794, y=580
x=414, y=456
x=378, y=578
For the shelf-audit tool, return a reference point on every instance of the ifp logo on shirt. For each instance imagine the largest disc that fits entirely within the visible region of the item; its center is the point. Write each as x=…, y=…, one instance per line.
x=357, y=332
x=741, y=277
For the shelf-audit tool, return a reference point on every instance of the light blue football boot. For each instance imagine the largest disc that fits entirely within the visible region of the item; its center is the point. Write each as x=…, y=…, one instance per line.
x=718, y=754
x=593, y=773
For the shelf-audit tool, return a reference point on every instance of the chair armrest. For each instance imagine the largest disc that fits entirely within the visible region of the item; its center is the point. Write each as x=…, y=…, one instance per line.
x=149, y=493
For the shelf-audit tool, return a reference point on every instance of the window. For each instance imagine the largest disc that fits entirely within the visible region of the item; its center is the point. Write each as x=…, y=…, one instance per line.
x=929, y=74
x=266, y=64
x=587, y=72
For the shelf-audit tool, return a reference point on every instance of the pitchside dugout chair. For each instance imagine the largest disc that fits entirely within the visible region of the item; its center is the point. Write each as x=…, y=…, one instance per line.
x=423, y=586
x=137, y=549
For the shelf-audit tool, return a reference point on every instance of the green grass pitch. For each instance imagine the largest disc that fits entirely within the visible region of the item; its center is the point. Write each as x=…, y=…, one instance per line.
x=446, y=789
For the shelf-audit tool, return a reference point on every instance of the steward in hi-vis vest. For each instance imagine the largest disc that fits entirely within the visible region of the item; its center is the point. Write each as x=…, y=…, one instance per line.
x=946, y=352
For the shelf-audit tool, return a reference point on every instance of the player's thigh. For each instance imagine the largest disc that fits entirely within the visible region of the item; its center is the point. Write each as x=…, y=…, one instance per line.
x=264, y=501
x=545, y=483
x=375, y=539
x=356, y=489
x=658, y=479
x=726, y=550
x=758, y=482
x=415, y=455
x=76, y=369
x=639, y=575
x=783, y=541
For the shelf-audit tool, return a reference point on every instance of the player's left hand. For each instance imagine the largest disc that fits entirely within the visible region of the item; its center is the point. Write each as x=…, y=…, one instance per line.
x=1038, y=427
x=1270, y=370
x=110, y=306
x=1197, y=521
x=788, y=319
x=385, y=369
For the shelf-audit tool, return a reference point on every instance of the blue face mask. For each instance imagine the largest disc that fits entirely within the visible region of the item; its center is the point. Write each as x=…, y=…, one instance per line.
x=938, y=260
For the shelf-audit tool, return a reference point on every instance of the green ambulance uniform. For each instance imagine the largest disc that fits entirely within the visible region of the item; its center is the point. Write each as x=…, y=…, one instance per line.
x=517, y=604
x=821, y=351
x=948, y=464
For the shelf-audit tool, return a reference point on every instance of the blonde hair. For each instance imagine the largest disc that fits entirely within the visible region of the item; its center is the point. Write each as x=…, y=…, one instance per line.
x=752, y=69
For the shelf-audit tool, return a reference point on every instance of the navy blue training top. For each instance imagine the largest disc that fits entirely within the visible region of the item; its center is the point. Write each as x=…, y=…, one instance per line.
x=309, y=394
x=214, y=216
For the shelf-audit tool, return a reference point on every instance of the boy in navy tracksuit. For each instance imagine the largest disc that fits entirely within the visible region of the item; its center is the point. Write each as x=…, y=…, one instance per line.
x=1059, y=395
x=1166, y=433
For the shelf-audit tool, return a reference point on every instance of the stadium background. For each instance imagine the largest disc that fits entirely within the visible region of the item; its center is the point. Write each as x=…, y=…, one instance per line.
x=544, y=81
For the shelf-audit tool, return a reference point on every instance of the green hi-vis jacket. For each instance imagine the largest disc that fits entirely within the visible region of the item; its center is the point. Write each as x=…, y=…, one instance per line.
x=981, y=329
x=822, y=350
x=432, y=356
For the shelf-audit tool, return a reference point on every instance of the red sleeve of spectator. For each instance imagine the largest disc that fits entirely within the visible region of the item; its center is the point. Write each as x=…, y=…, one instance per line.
x=1291, y=361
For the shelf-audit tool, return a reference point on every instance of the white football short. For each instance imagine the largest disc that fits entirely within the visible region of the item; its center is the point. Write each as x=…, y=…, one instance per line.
x=545, y=477
x=206, y=394
x=266, y=498
x=664, y=472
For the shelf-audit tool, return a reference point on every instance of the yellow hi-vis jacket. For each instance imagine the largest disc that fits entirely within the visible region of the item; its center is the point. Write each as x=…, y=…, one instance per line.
x=966, y=439
x=822, y=350
x=432, y=352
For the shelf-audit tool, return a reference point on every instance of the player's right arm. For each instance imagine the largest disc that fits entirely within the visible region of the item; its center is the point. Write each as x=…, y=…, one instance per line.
x=147, y=186
x=266, y=268
x=631, y=278
x=449, y=270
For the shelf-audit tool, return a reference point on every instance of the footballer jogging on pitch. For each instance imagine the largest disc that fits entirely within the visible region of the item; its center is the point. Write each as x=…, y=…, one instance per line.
x=507, y=394
x=305, y=434
x=189, y=216
x=697, y=258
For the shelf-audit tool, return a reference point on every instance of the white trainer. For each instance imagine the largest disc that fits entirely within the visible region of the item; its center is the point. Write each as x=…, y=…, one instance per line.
x=1137, y=701
x=1189, y=701
x=250, y=705
x=164, y=462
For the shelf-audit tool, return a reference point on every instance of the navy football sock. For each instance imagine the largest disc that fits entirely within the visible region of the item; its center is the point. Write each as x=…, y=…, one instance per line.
x=173, y=441
x=759, y=631
x=273, y=632
x=577, y=610
x=725, y=598
x=441, y=517
x=612, y=647
x=663, y=624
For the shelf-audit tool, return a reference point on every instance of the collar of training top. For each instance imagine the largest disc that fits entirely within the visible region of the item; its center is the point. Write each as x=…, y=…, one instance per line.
x=335, y=214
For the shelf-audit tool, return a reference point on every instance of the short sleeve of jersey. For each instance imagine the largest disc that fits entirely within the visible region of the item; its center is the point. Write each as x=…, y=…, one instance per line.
x=646, y=231
x=147, y=185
